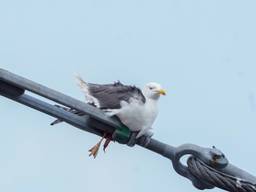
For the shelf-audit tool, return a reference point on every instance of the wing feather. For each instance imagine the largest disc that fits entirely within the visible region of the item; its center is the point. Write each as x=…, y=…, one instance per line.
x=109, y=96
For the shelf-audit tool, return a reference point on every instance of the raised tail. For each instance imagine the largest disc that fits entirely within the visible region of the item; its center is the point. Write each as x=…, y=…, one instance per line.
x=85, y=87
x=82, y=84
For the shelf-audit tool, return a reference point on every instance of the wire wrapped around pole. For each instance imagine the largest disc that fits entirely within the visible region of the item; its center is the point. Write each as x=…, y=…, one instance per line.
x=207, y=174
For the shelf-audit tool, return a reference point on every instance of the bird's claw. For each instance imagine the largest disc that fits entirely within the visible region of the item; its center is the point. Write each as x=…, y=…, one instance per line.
x=134, y=138
x=94, y=150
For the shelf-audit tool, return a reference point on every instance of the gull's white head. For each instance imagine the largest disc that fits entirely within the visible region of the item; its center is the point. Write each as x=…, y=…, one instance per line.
x=153, y=91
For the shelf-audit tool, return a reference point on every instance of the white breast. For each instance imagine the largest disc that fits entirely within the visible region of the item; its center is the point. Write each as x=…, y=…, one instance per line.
x=137, y=116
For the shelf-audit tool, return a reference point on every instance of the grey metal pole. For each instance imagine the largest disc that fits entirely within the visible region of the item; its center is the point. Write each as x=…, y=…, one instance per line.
x=55, y=96
x=72, y=119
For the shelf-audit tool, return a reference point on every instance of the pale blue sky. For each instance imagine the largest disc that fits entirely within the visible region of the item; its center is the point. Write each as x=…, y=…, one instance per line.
x=202, y=52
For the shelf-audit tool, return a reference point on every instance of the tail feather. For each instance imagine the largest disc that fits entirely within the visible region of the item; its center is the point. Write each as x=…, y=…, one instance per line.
x=85, y=88
x=82, y=84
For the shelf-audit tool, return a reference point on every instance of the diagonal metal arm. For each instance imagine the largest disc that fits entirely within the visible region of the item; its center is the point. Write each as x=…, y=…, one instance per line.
x=56, y=96
x=94, y=121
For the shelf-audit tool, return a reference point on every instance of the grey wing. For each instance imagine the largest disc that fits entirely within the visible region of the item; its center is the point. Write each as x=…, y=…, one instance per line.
x=109, y=96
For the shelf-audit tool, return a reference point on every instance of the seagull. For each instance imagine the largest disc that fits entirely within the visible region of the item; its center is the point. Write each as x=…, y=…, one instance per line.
x=136, y=108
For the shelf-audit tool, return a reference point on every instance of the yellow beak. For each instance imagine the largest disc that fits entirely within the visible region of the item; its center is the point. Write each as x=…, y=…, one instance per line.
x=162, y=92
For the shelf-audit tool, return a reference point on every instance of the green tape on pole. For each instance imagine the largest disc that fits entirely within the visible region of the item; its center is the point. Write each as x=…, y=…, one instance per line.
x=122, y=135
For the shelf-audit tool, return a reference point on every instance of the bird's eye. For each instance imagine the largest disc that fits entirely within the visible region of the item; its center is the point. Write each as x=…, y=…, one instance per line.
x=150, y=88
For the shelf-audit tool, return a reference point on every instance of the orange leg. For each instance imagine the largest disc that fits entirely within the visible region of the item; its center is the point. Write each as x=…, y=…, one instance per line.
x=95, y=149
